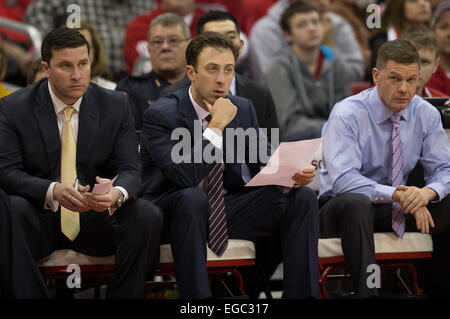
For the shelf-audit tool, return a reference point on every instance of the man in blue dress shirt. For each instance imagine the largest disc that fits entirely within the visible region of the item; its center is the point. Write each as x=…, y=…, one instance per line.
x=372, y=142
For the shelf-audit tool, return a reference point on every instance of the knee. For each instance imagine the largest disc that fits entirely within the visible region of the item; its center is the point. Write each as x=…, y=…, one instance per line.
x=193, y=202
x=22, y=210
x=148, y=214
x=306, y=197
x=305, y=193
x=356, y=207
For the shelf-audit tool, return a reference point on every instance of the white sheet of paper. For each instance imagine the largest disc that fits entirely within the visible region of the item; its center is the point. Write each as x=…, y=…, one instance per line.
x=103, y=187
x=288, y=159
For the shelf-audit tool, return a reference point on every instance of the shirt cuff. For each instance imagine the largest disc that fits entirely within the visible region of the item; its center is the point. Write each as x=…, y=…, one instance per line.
x=383, y=194
x=213, y=137
x=50, y=203
x=111, y=210
x=440, y=191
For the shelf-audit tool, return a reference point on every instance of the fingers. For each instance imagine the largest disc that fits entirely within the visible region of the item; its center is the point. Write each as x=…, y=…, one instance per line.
x=99, y=203
x=424, y=220
x=83, y=189
x=412, y=199
x=309, y=169
x=208, y=105
x=71, y=202
x=100, y=180
x=303, y=179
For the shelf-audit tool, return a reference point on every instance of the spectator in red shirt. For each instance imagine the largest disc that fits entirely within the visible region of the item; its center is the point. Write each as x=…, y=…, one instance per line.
x=136, y=31
x=441, y=26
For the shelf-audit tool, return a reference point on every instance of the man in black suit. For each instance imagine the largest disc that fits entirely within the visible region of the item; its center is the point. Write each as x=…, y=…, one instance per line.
x=39, y=141
x=204, y=200
x=226, y=24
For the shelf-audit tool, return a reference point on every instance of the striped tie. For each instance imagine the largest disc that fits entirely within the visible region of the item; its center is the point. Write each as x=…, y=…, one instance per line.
x=398, y=216
x=217, y=222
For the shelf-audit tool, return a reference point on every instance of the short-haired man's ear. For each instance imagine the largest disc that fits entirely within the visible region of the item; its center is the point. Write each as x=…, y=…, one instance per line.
x=45, y=67
x=375, y=75
x=190, y=72
x=242, y=46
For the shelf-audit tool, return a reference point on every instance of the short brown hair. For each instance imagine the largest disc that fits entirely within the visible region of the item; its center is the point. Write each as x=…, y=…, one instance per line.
x=169, y=19
x=61, y=38
x=400, y=51
x=293, y=9
x=422, y=38
x=208, y=39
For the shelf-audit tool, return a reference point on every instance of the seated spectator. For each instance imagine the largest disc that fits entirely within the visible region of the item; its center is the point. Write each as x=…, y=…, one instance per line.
x=397, y=17
x=110, y=18
x=441, y=26
x=266, y=40
x=136, y=31
x=168, y=36
x=428, y=49
x=3, y=90
x=226, y=24
x=307, y=78
x=97, y=56
x=35, y=73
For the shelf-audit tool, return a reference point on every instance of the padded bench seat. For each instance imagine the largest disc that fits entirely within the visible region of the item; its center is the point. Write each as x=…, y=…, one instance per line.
x=390, y=251
x=385, y=243
x=238, y=253
x=237, y=249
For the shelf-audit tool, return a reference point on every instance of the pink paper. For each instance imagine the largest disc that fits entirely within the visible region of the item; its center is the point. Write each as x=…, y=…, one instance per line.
x=289, y=159
x=103, y=187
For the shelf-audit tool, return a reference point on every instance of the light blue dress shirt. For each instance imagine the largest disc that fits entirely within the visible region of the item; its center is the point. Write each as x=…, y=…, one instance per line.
x=357, y=147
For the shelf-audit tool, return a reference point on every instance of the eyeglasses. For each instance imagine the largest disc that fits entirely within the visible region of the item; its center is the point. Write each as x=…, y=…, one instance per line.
x=172, y=42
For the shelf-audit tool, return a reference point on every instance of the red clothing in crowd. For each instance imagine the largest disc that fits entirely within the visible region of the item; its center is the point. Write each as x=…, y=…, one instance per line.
x=430, y=92
x=439, y=81
x=245, y=11
x=14, y=10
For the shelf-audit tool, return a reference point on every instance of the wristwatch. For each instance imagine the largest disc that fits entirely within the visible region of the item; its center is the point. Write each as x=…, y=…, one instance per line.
x=120, y=200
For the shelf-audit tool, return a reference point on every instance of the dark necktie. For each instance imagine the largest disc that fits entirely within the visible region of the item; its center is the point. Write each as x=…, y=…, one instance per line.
x=217, y=222
x=398, y=216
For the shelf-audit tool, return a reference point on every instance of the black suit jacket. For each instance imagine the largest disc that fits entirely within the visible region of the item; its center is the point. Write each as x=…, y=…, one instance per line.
x=162, y=175
x=258, y=94
x=30, y=144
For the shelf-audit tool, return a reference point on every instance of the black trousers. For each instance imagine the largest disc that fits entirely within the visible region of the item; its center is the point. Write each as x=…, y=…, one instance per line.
x=132, y=233
x=354, y=219
x=258, y=214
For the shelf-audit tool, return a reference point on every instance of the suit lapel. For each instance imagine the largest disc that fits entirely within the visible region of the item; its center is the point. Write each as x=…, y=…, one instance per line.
x=87, y=128
x=48, y=125
x=187, y=112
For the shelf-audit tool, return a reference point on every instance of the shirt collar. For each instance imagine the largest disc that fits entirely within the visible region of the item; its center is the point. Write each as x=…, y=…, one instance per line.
x=60, y=105
x=380, y=111
x=201, y=113
x=233, y=85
